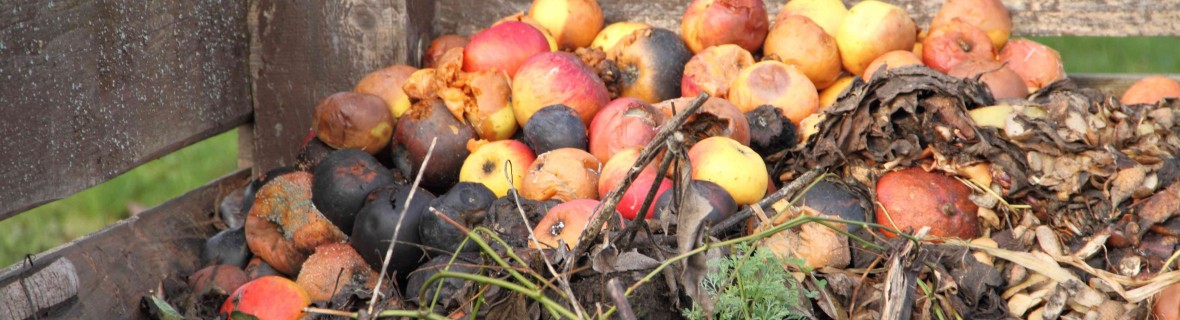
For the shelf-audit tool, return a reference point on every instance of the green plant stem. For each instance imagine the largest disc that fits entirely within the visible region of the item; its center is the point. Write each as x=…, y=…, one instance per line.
x=534, y=294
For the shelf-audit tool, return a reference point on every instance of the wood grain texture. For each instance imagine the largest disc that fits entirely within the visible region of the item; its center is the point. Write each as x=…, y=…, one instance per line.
x=304, y=51
x=91, y=89
x=1029, y=17
x=118, y=265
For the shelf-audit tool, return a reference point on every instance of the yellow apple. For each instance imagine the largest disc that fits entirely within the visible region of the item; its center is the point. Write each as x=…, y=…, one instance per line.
x=609, y=36
x=488, y=163
x=735, y=167
x=828, y=14
x=871, y=29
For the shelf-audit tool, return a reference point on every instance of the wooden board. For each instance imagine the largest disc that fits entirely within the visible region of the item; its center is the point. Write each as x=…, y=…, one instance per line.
x=118, y=265
x=1030, y=17
x=304, y=51
x=91, y=89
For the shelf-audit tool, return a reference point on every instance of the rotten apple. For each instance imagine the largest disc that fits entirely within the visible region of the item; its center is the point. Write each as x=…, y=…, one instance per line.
x=708, y=23
x=651, y=64
x=1002, y=81
x=353, y=120
x=284, y=226
x=555, y=127
x=1151, y=90
x=564, y=174
x=621, y=124
x=426, y=120
x=778, y=84
x=990, y=16
x=609, y=36
x=713, y=69
x=270, y=297
x=557, y=78
x=913, y=198
x=439, y=46
x=387, y=84
x=797, y=40
x=1037, y=64
x=953, y=43
x=333, y=268
x=342, y=182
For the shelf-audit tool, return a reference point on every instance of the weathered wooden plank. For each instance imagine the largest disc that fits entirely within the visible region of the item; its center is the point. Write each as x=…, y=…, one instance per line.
x=91, y=89
x=1029, y=17
x=118, y=265
x=306, y=50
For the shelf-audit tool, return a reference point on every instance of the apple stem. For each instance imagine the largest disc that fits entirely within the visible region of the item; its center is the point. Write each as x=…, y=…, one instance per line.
x=594, y=228
x=398, y=228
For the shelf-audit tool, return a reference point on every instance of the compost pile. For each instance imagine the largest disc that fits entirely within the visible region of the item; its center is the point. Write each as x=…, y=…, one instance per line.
x=539, y=171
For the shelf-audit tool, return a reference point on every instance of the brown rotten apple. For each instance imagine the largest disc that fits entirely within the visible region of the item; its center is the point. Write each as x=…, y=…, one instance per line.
x=704, y=124
x=778, y=84
x=712, y=70
x=564, y=223
x=952, y=43
x=914, y=198
x=387, y=84
x=564, y=174
x=1003, y=82
x=651, y=64
x=557, y=78
x=573, y=23
x=353, y=120
x=428, y=119
x=440, y=46
x=871, y=29
x=987, y=15
x=284, y=226
x=798, y=41
x=332, y=267
x=609, y=36
x=708, y=23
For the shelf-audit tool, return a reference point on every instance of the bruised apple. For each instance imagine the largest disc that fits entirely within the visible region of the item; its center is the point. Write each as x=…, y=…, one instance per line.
x=828, y=14
x=426, y=120
x=778, y=84
x=573, y=23
x=623, y=123
x=353, y=120
x=913, y=198
x=987, y=15
x=1003, y=82
x=953, y=43
x=1151, y=90
x=483, y=100
x=1037, y=64
x=609, y=36
x=708, y=23
x=563, y=174
x=557, y=78
x=284, y=226
x=716, y=117
x=564, y=223
x=891, y=60
x=797, y=40
x=651, y=64
x=871, y=29
x=503, y=47
x=713, y=69
x=491, y=162
x=733, y=166
x=439, y=46
x=331, y=268
x=387, y=84
x=270, y=297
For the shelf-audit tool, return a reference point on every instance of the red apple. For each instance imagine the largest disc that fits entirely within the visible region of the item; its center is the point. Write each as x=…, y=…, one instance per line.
x=623, y=123
x=564, y=174
x=891, y=60
x=503, y=47
x=798, y=41
x=489, y=164
x=712, y=70
x=1036, y=63
x=270, y=297
x=1003, y=82
x=778, y=84
x=573, y=23
x=1151, y=90
x=987, y=15
x=731, y=165
x=564, y=223
x=557, y=78
x=522, y=17
x=914, y=198
x=708, y=23
x=954, y=42
x=439, y=46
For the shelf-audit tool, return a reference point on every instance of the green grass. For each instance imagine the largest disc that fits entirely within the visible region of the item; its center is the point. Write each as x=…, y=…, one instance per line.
x=58, y=222
x=153, y=183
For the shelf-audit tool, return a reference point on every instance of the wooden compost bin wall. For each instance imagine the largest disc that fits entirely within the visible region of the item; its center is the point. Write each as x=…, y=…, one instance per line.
x=92, y=89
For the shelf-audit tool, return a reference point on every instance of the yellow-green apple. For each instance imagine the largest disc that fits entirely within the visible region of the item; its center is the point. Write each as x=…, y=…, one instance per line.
x=871, y=29
x=621, y=124
x=1151, y=90
x=609, y=36
x=988, y=15
x=731, y=165
x=1037, y=64
x=503, y=47
x=708, y=23
x=954, y=42
x=387, y=84
x=564, y=174
x=913, y=198
x=828, y=14
x=798, y=41
x=491, y=162
x=778, y=84
x=712, y=70
x=557, y=78
x=573, y=23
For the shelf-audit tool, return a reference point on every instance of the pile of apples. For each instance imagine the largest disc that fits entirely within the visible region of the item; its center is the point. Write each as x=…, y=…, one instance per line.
x=554, y=106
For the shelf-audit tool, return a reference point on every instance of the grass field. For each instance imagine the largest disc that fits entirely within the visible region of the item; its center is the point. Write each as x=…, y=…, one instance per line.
x=58, y=222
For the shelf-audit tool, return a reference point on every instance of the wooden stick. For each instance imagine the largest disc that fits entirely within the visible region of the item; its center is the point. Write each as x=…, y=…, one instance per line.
x=798, y=184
